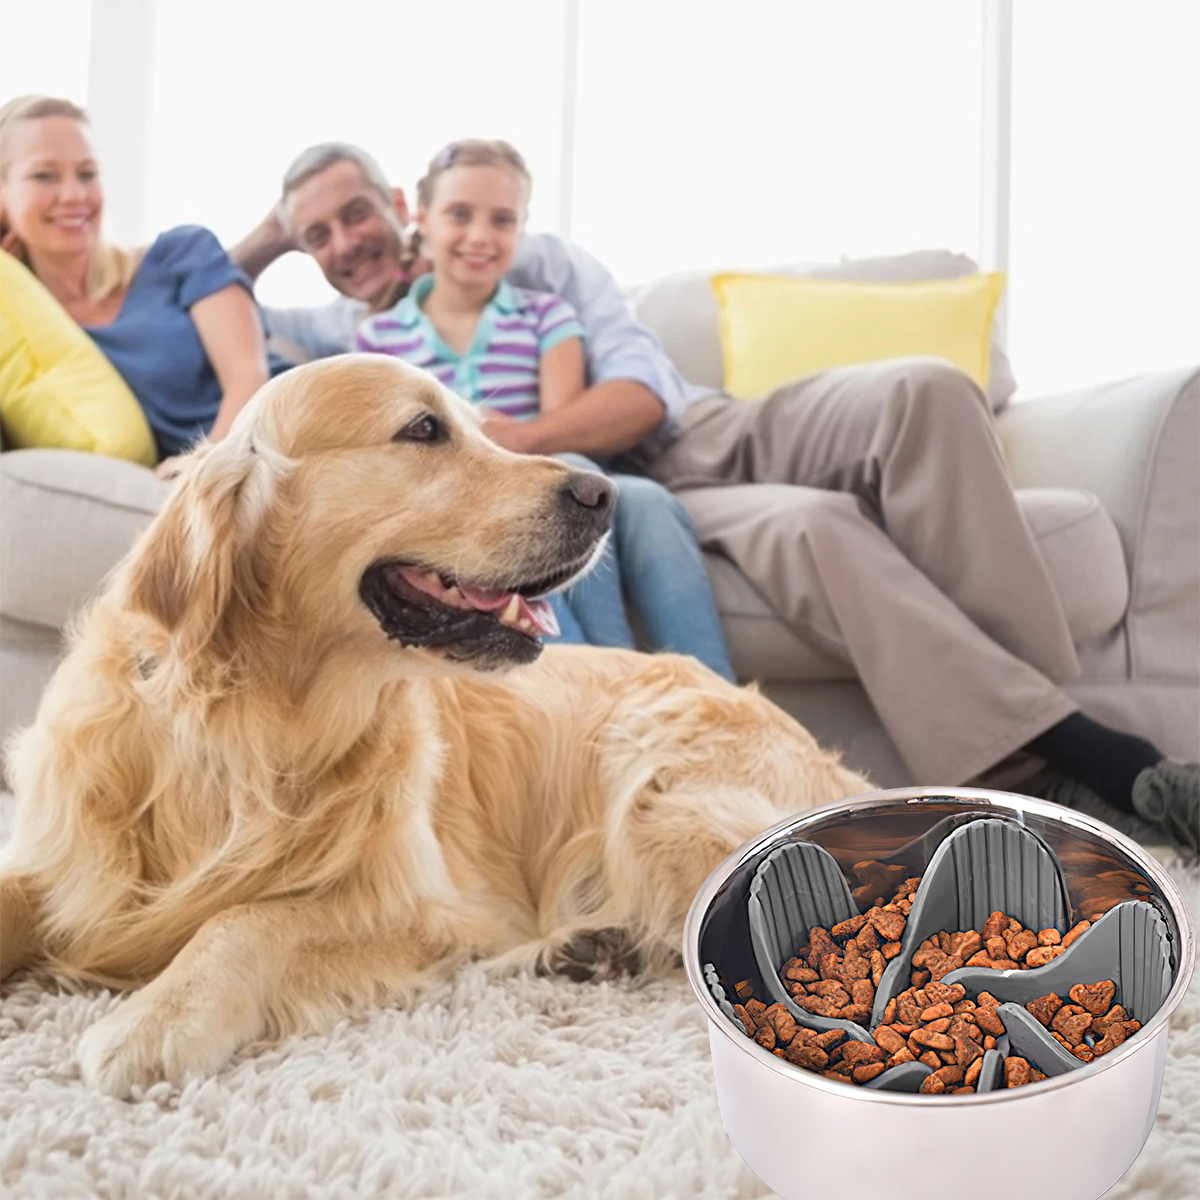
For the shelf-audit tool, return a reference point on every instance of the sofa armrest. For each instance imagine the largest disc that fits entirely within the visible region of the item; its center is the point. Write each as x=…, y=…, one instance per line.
x=1136, y=445
x=66, y=519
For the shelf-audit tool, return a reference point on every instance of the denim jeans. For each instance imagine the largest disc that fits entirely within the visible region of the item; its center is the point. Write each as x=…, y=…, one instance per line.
x=652, y=559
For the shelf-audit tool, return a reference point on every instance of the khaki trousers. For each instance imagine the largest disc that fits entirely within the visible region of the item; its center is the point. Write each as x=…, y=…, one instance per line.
x=871, y=506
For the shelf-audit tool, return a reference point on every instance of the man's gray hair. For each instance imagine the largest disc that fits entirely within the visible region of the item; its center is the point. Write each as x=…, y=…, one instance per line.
x=320, y=158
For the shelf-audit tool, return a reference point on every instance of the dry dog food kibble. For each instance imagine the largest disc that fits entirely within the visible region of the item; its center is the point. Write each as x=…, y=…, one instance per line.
x=837, y=973
x=1003, y=944
x=951, y=1043
x=931, y=1022
x=1091, y=1025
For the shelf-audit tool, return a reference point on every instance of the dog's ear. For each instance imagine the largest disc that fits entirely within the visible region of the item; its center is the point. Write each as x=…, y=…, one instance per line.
x=186, y=569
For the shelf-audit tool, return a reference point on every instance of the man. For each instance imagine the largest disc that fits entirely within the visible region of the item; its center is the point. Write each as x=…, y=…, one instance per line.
x=870, y=505
x=339, y=208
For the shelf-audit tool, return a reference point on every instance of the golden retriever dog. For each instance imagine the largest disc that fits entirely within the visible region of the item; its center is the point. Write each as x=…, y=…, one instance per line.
x=284, y=771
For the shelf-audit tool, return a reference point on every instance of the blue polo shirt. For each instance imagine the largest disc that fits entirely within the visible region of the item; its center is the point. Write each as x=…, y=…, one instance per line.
x=500, y=368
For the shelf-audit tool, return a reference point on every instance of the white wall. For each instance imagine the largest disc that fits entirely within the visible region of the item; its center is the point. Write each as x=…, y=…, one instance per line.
x=700, y=140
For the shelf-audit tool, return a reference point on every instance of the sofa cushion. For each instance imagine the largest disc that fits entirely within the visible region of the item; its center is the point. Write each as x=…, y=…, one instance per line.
x=1083, y=551
x=682, y=310
x=68, y=519
x=28, y=656
x=1136, y=443
x=1075, y=534
x=761, y=646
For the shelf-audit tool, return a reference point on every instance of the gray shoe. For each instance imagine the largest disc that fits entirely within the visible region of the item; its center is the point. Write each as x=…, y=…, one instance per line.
x=1168, y=796
x=1051, y=784
x=1170, y=792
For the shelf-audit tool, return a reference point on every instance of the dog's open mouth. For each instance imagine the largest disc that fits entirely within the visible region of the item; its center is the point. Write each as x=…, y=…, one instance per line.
x=488, y=624
x=526, y=613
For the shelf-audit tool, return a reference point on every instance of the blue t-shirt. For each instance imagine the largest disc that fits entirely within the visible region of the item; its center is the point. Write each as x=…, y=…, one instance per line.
x=153, y=343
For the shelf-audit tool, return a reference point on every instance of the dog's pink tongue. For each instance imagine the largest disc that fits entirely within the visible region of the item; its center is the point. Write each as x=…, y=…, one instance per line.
x=485, y=601
x=542, y=616
x=537, y=612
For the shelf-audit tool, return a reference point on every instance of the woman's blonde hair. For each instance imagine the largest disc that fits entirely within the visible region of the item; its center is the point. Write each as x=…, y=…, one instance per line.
x=112, y=267
x=472, y=152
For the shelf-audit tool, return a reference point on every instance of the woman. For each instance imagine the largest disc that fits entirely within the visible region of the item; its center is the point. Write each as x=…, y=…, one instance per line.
x=176, y=319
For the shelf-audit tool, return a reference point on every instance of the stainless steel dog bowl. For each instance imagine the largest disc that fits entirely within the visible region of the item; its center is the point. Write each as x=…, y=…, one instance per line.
x=1069, y=1137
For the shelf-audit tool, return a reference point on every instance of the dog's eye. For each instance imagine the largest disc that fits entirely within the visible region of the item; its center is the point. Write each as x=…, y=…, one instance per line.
x=426, y=428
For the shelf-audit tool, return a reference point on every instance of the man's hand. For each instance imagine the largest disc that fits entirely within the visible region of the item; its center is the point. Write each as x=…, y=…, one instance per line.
x=170, y=468
x=267, y=241
x=508, y=432
x=606, y=419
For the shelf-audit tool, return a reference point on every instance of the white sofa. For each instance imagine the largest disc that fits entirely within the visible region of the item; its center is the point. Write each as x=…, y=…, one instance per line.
x=1107, y=478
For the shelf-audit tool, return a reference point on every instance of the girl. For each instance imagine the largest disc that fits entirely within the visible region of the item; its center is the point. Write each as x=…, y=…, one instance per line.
x=519, y=353
x=177, y=319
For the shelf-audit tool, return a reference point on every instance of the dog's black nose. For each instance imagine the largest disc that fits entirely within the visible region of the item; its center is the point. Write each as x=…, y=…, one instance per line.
x=586, y=489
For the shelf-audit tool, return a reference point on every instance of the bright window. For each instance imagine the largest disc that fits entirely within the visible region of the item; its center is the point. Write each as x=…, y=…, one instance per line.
x=703, y=139
x=44, y=49
x=241, y=88
x=1105, y=250
x=718, y=135
x=711, y=135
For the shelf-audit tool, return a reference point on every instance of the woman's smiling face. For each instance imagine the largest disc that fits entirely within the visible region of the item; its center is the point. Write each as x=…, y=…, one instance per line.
x=473, y=224
x=51, y=195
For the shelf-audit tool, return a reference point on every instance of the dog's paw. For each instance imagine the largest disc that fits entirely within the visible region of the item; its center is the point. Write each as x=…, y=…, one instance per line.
x=145, y=1040
x=597, y=955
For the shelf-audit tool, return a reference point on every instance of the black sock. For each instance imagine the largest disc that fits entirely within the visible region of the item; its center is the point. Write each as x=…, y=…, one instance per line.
x=1107, y=760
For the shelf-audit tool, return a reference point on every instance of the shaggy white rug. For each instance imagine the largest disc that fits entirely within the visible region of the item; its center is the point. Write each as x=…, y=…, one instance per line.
x=518, y=1090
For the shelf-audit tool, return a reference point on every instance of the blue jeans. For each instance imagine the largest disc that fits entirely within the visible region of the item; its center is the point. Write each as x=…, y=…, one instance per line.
x=653, y=558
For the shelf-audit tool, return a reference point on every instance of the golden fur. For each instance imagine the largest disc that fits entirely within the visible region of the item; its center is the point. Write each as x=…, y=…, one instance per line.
x=243, y=799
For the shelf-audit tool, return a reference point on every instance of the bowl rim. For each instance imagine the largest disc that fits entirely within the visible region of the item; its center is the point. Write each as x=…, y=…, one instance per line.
x=1004, y=802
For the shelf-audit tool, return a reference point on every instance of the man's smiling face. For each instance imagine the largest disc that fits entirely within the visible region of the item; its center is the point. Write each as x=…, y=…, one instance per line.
x=353, y=231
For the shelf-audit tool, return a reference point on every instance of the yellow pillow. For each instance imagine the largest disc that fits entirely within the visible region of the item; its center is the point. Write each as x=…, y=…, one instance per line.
x=776, y=328
x=56, y=387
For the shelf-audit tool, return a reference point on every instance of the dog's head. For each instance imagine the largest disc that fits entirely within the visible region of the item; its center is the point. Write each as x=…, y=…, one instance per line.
x=357, y=503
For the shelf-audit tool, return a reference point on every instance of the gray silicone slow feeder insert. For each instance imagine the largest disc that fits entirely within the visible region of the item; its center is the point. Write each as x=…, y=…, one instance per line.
x=991, y=1074
x=980, y=865
x=797, y=886
x=1030, y=1039
x=1129, y=945
x=983, y=866
x=718, y=993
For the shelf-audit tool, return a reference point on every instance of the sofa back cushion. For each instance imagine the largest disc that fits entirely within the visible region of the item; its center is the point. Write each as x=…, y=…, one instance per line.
x=69, y=518
x=1076, y=536
x=682, y=310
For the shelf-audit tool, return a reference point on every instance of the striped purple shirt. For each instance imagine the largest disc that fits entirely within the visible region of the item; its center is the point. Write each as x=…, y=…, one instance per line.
x=500, y=369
